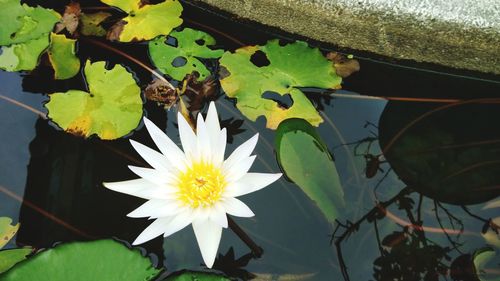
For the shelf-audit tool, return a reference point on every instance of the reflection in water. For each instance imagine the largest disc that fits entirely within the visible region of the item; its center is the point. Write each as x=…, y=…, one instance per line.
x=447, y=154
x=64, y=180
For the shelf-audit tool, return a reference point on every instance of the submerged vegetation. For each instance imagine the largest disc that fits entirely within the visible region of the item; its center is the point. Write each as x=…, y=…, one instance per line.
x=104, y=102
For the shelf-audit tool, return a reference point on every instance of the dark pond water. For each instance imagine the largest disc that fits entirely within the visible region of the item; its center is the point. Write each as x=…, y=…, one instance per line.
x=446, y=153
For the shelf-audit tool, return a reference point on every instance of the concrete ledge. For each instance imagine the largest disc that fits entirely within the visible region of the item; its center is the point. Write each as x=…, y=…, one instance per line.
x=457, y=33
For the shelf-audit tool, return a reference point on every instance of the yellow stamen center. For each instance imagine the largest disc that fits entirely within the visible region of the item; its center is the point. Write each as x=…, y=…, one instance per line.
x=201, y=185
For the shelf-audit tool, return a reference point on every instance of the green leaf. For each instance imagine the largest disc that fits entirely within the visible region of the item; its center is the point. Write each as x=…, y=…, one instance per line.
x=111, y=109
x=62, y=56
x=7, y=231
x=145, y=22
x=186, y=275
x=21, y=23
x=23, y=56
x=82, y=261
x=8, y=258
x=480, y=259
x=306, y=161
x=290, y=67
x=91, y=24
x=191, y=45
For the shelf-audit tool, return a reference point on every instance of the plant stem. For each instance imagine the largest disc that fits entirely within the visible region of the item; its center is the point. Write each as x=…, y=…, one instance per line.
x=256, y=250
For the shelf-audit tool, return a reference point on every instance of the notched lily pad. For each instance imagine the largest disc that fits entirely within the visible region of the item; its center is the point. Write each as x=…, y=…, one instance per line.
x=111, y=109
x=7, y=230
x=144, y=22
x=251, y=71
x=22, y=23
x=191, y=45
x=62, y=56
x=82, y=261
x=305, y=159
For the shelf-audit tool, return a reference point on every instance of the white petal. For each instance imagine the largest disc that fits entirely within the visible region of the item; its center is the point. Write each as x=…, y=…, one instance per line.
x=218, y=215
x=212, y=124
x=153, y=157
x=152, y=231
x=203, y=139
x=153, y=175
x=249, y=183
x=188, y=138
x=212, y=120
x=139, y=188
x=238, y=170
x=242, y=152
x=237, y=208
x=169, y=149
x=179, y=221
x=219, y=148
x=208, y=235
x=156, y=209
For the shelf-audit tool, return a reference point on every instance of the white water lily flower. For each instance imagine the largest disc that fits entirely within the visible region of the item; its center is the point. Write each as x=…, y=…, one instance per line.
x=195, y=186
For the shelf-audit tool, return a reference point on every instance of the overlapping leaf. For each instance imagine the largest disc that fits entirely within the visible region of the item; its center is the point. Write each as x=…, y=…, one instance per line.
x=23, y=56
x=7, y=230
x=62, y=56
x=145, y=22
x=288, y=68
x=22, y=23
x=91, y=24
x=191, y=46
x=111, y=109
x=8, y=258
x=82, y=261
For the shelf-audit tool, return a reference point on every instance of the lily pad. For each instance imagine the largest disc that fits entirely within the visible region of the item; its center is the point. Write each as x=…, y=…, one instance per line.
x=195, y=276
x=62, y=56
x=22, y=23
x=7, y=230
x=91, y=24
x=145, y=22
x=255, y=70
x=111, y=109
x=8, y=258
x=23, y=56
x=82, y=261
x=306, y=161
x=190, y=46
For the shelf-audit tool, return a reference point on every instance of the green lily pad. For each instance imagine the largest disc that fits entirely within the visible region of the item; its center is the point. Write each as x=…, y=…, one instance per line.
x=282, y=70
x=186, y=275
x=145, y=22
x=7, y=230
x=111, y=109
x=23, y=56
x=82, y=261
x=306, y=161
x=91, y=24
x=62, y=56
x=22, y=23
x=191, y=45
x=8, y=258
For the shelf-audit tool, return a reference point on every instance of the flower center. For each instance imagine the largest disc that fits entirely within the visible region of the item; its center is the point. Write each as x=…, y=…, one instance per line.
x=201, y=185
